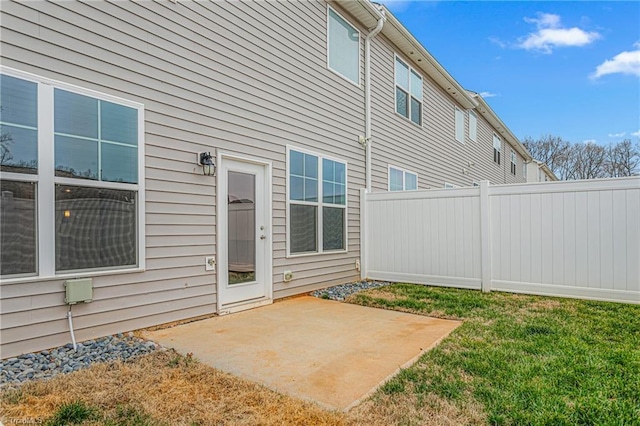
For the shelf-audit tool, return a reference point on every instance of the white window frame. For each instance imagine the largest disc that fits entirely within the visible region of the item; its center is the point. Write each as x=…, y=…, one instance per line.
x=497, y=138
x=524, y=169
x=473, y=126
x=448, y=185
x=46, y=181
x=356, y=83
x=404, y=178
x=459, y=125
x=514, y=163
x=319, y=204
x=396, y=57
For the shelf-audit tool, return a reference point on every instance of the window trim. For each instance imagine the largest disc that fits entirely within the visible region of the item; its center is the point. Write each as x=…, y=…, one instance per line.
x=458, y=113
x=397, y=57
x=514, y=163
x=404, y=178
x=359, y=82
x=46, y=181
x=448, y=185
x=319, y=204
x=474, y=127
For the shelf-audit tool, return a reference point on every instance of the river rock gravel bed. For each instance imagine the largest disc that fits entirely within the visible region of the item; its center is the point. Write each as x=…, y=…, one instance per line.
x=61, y=360
x=341, y=292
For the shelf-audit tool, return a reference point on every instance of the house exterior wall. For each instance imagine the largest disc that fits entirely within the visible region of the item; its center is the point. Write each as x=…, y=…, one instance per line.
x=251, y=84
x=430, y=150
x=241, y=78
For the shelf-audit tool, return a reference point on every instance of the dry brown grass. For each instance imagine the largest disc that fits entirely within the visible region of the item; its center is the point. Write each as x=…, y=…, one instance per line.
x=407, y=409
x=169, y=389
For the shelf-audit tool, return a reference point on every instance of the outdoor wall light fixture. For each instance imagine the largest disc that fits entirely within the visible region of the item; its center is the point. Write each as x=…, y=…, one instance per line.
x=206, y=161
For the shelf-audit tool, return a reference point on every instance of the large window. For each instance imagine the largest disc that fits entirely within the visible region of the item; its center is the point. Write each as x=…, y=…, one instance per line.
x=408, y=92
x=344, y=47
x=317, y=203
x=77, y=206
x=402, y=180
x=497, y=148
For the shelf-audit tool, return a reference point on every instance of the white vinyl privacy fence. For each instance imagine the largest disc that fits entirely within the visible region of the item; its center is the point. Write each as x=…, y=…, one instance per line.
x=573, y=239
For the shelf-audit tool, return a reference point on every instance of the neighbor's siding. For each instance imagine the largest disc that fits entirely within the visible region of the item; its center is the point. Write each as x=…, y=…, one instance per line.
x=430, y=150
x=238, y=77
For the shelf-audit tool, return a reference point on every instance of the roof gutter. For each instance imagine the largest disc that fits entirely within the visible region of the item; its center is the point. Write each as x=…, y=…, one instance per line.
x=367, y=96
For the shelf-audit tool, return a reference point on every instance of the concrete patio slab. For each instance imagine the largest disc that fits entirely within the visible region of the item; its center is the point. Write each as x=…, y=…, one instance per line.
x=329, y=352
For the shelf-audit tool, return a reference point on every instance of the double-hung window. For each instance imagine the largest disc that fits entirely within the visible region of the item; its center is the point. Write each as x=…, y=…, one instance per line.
x=513, y=163
x=402, y=180
x=343, y=43
x=524, y=169
x=473, y=126
x=317, y=203
x=408, y=92
x=71, y=177
x=497, y=148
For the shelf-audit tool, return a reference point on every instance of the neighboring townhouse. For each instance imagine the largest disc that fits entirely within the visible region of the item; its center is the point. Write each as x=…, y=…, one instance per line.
x=537, y=171
x=108, y=107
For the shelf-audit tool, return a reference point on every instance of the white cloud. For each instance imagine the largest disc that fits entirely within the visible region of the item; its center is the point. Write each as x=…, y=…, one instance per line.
x=488, y=94
x=627, y=62
x=550, y=35
x=617, y=135
x=636, y=134
x=590, y=141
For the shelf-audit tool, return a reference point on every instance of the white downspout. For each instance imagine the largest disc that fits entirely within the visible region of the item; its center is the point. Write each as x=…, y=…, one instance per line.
x=367, y=96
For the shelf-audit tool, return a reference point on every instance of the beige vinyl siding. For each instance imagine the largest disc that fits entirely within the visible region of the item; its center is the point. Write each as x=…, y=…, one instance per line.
x=239, y=77
x=430, y=150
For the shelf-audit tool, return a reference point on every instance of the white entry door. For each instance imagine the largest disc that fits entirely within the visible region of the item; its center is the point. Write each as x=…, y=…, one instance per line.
x=244, y=234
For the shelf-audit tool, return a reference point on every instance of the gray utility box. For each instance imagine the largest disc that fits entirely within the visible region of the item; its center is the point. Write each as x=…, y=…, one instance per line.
x=80, y=290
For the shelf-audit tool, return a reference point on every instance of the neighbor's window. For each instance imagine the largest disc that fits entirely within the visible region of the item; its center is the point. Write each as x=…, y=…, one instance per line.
x=402, y=180
x=88, y=180
x=344, y=47
x=513, y=163
x=473, y=126
x=459, y=125
x=317, y=203
x=408, y=92
x=448, y=185
x=497, y=147
x=524, y=169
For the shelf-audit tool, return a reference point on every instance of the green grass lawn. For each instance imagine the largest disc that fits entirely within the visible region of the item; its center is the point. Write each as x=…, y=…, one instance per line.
x=525, y=359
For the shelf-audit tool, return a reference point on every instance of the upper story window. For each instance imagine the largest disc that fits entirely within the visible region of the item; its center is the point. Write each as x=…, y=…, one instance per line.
x=524, y=169
x=448, y=185
x=402, y=180
x=473, y=126
x=317, y=203
x=497, y=148
x=513, y=163
x=81, y=211
x=408, y=92
x=459, y=125
x=344, y=47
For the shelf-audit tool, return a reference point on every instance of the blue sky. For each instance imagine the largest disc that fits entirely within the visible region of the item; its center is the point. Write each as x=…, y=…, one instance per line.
x=570, y=69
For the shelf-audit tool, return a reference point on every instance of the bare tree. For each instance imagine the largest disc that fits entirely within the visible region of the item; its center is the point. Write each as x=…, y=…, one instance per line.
x=588, y=161
x=5, y=148
x=623, y=159
x=551, y=150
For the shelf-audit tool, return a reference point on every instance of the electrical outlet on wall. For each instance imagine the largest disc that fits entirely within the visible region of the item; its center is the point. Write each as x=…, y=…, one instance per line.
x=358, y=265
x=210, y=263
x=287, y=276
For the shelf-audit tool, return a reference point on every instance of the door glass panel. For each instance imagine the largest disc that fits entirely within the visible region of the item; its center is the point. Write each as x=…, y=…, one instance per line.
x=242, y=227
